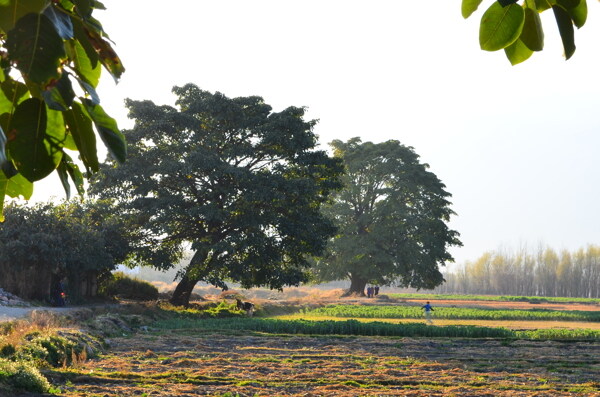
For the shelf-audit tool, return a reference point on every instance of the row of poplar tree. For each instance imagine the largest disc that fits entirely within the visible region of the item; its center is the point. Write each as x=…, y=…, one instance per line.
x=523, y=272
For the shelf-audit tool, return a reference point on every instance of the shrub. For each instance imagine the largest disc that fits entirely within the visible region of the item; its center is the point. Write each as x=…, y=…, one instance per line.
x=23, y=376
x=123, y=286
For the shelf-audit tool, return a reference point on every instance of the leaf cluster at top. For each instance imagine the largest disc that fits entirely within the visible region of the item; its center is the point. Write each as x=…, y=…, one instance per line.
x=51, y=56
x=517, y=28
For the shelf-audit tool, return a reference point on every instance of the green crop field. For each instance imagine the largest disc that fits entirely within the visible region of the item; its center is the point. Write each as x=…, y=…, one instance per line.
x=494, y=298
x=411, y=312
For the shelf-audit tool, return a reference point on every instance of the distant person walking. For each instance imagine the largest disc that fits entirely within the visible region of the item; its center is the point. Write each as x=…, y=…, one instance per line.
x=428, y=309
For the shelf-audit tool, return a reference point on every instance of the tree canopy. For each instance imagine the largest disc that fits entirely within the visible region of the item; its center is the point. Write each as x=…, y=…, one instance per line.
x=517, y=28
x=71, y=240
x=229, y=179
x=392, y=217
x=51, y=56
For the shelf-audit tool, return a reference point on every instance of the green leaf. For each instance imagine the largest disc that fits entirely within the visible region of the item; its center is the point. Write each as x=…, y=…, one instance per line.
x=56, y=133
x=61, y=21
x=12, y=10
x=18, y=186
x=3, y=158
x=565, y=28
x=66, y=169
x=13, y=93
x=517, y=52
x=82, y=38
x=60, y=96
x=543, y=5
x=108, y=57
x=567, y=4
x=90, y=91
x=109, y=131
x=87, y=69
x=36, y=48
x=500, y=26
x=13, y=187
x=533, y=34
x=83, y=8
x=80, y=127
x=579, y=13
x=33, y=155
x=468, y=7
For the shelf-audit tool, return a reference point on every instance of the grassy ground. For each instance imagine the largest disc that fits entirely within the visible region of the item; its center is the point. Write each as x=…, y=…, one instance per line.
x=159, y=352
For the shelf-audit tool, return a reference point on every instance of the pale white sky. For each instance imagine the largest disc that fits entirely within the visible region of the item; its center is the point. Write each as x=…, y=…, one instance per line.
x=518, y=147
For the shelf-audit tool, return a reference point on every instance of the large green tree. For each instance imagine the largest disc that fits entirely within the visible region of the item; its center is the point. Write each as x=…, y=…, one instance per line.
x=51, y=56
x=392, y=217
x=239, y=185
x=516, y=27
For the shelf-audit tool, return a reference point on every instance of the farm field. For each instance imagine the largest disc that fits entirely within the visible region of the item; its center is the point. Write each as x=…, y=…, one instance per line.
x=188, y=363
x=231, y=357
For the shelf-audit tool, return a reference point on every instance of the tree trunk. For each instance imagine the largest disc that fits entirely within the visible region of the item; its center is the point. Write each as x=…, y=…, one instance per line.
x=183, y=291
x=357, y=286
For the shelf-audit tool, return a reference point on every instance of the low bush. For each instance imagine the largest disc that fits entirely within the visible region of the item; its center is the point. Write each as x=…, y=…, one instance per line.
x=23, y=376
x=122, y=286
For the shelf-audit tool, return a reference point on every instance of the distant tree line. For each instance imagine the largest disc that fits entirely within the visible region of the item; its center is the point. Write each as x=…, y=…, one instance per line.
x=543, y=272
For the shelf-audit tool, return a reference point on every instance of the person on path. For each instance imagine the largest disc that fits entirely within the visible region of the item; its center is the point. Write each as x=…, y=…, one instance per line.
x=428, y=309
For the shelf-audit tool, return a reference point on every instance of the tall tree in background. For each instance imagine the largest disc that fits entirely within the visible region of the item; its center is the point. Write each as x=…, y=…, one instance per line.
x=392, y=217
x=238, y=184
x=51, y=57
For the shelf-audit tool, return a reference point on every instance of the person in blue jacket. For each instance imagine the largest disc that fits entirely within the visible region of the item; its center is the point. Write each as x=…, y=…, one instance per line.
x=428, y=309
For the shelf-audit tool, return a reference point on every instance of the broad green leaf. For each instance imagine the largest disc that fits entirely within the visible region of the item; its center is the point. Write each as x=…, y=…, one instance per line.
x=33, y=155
x=87, y=70
x=12, y=93
x=107, y=56
x=543, y=5
x=80, y=127
x=500, y=26
x=532, y=35
x=60, y=96
x=56, y=133
x=82, y=38
x=567, y=4
x=517, y=52
x=83, y=8
x=36, y=48
x=109, y=131
x=468, y=7
x=66, y=169
x=11, y=11
x=579, y=13
x=18, y=186
x=90, y=91
x=61, y=21
x=565, y=28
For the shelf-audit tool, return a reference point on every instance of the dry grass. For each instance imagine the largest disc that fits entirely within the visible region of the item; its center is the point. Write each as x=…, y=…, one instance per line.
x=190, y=363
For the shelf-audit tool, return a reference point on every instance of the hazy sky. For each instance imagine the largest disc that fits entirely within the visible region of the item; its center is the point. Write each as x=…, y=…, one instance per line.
x=517, y=146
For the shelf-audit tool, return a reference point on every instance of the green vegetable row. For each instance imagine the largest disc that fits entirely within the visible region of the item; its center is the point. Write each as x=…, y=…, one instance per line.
x=496, y=298
x=401, y=312
x=354, y=327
